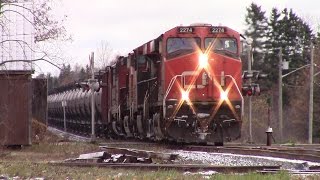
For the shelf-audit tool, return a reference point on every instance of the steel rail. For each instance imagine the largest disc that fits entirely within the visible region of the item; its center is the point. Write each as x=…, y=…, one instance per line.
x=179, y=167
x=307, y=155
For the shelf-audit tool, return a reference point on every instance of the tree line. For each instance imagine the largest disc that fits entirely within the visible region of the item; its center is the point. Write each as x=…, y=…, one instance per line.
x=282, y=29
x=285, y=29
x=67, y=76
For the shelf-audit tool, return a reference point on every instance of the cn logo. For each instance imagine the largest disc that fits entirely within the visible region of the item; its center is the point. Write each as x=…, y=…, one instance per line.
x=189, y=81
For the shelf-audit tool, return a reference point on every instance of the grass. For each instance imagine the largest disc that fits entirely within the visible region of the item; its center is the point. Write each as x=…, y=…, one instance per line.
x=26, y=170
x=32, y=161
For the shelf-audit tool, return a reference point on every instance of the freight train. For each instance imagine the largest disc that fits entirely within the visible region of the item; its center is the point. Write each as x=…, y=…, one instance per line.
x=183, y=86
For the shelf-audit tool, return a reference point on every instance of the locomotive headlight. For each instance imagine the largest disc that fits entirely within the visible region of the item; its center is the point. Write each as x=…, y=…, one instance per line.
x=223, y=95
x=185, y=95
x=203, y=60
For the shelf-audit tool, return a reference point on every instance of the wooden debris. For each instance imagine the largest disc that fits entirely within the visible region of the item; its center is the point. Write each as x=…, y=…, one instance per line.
x=98, y=155
x=141, y=153
x=122, y=155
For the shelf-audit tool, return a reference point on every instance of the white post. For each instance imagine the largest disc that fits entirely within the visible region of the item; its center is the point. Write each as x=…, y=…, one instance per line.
x=249, y=42
x=93, y=136
x=311, y=96
x=280, y=96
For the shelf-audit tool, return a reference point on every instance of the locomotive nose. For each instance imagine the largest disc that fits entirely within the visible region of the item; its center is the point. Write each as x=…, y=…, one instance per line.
x=203, y=60
x=223, y=95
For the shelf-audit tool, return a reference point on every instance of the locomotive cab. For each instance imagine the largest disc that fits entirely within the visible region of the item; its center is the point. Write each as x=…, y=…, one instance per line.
x=202, y=68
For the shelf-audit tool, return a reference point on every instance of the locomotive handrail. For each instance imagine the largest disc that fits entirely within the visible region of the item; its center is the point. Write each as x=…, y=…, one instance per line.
x=167, y=92
x=238, y=89
x=242, y=100
x=147, y=95
x=147, y=80
x=171, y=84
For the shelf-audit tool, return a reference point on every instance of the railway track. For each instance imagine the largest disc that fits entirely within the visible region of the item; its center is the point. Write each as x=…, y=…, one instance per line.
x=178, y=167
x=297, y=172
x=305, y=153
x=192, y=167
x=312, y=155
x=129, y=160
x=112, y=157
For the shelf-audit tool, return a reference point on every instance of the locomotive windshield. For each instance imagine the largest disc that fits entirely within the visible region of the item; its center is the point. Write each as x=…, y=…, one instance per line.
x=181, y=46
x=226, y=46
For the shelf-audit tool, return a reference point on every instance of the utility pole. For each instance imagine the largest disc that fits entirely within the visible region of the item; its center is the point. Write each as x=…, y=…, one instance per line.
x=280, y=96
x=249, y=42
x=311, y=95
x=93, y=136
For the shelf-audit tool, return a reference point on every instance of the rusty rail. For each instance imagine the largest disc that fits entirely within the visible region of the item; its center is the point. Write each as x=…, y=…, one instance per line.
x=298, y=172
x=179, y=167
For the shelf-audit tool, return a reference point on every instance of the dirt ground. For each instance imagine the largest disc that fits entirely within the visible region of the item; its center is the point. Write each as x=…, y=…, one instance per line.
x=33, y=162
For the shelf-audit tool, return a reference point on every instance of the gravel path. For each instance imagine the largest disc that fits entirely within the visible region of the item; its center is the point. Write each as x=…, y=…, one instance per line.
x=226, y=159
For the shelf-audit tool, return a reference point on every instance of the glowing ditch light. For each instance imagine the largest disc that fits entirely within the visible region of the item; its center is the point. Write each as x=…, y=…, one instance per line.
x=223, y=95
x=203, y=60
x=185, y=95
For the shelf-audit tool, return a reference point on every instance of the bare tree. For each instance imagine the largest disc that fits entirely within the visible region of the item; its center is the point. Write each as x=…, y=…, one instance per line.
x=104, y=55
x=38, y=15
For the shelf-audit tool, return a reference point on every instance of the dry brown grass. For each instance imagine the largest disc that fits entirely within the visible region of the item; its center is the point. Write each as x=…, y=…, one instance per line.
x=41, y=134
x=33, y=161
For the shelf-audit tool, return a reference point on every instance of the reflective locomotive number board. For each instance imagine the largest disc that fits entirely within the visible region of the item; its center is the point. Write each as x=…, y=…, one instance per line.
x=185, y=30
x=217, y=30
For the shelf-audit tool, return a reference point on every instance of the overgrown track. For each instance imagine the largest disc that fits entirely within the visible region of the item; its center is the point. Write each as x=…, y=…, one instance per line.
x=300, y=172
x=129, y=160
x=300, y=152
x=179, y=167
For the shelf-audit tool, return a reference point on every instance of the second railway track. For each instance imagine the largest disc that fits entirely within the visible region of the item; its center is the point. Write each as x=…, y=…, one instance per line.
x=277, y=152
x=305, y=153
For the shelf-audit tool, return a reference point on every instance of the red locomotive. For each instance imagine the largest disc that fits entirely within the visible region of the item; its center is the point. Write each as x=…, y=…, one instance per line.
x=183, y=86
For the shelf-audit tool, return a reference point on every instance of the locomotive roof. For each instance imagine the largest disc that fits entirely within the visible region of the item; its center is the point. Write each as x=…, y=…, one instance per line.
x=202, y=25
x=140, y=48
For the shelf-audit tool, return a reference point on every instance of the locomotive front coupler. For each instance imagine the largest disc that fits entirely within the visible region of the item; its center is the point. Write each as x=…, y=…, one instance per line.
x=229, y=121
x=181, y=121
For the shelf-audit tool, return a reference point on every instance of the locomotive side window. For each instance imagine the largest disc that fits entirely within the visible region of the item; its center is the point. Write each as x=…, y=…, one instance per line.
x=181, y=46
x=141, y=60
x=113, y=76
x=226, y=46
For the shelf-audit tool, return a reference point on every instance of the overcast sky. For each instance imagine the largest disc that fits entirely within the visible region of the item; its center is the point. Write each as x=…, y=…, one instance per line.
x=127, y=24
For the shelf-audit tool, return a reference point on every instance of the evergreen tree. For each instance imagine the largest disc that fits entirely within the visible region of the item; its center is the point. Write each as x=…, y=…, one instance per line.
x=257, y=25
x=296, y=40
x=52, y=82
x=88, y=70
x=65, y=74
x=82, y=74
x=287, y=31
x=272, y=45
